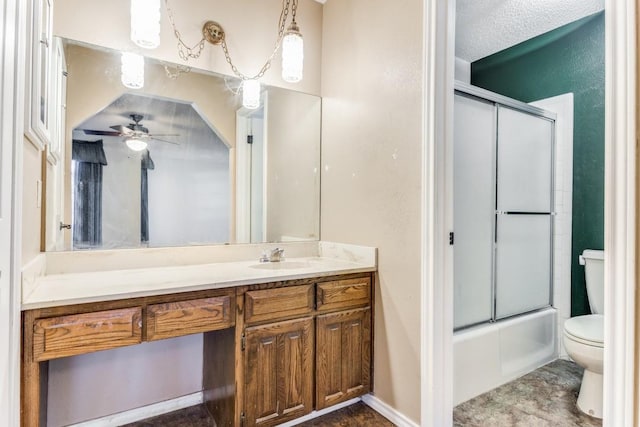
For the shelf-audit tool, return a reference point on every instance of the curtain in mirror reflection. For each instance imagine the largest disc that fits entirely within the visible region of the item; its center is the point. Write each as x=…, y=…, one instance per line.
x=88, y=159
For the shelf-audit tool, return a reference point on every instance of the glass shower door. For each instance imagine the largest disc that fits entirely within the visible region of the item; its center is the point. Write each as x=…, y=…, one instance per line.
x=523, y=212
x=474, y=208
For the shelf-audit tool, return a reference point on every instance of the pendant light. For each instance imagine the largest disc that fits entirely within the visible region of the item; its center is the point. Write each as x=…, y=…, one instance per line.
x=145, y=23
x=288, y=37
x=250, y=94
x=132, y=70
x=292, y=54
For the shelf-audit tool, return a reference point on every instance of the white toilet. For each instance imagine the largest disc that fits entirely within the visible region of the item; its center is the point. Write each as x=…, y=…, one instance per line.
x=584, y=335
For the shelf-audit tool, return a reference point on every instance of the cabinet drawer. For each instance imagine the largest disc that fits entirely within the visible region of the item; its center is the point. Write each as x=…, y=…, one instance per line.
x=342, y=294
x=269, y=304
x=175, y=319
x=84, y=333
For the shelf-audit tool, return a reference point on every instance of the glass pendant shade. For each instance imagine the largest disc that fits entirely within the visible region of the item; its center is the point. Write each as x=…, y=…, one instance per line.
x=145, y=23
x=292, y=54
x=132, y=70
x=136, y=144
x=250, y=94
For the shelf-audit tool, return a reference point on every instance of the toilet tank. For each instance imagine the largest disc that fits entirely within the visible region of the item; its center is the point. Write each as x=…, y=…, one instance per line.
x=593, y=262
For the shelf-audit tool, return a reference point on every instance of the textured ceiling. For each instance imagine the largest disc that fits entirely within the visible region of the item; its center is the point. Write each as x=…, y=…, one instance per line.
x=484, y=27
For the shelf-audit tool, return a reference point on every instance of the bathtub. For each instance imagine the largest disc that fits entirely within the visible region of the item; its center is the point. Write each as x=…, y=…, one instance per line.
x=489, y=355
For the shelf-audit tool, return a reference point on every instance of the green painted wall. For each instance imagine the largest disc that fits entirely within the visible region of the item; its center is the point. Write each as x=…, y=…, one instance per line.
x=568, y=59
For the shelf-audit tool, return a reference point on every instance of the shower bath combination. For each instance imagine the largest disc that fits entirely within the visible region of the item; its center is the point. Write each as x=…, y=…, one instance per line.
x=503, y=208
x=504, y=161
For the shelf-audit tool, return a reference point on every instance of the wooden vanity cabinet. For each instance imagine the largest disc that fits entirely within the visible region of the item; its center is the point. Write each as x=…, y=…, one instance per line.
x=272, y=352
x=343, y=340
x=304, y=347
x=343, y=356
x=174, y=319
x=73, y=334
x=278, y=363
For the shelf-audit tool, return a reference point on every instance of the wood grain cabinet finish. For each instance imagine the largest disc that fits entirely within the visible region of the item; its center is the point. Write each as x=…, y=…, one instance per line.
x=278, y=303
x=85, y=333
x=174, y=319
x=278, y=372
x=342, y=294
x=343, y=356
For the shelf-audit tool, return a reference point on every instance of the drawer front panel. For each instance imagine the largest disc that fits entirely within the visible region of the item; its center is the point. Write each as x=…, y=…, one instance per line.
x=270, y=304
x=85, y=333
x=189, y=317
x=341, y=294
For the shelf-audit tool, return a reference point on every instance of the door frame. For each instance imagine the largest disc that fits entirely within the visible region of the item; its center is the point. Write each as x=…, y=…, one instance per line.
x=12, y=83
x=437, y=213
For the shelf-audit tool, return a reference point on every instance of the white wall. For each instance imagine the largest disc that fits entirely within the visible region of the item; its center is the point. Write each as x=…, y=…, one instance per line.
x=462, y=70
x=107, y=382
x=189, y=200
x=120, y=195
x=371, y=165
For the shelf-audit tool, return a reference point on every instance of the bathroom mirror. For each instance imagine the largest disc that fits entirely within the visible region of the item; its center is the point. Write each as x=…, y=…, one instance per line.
x=178, y=161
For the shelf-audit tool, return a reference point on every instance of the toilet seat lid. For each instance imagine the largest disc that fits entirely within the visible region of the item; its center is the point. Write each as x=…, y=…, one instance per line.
x=588, y=328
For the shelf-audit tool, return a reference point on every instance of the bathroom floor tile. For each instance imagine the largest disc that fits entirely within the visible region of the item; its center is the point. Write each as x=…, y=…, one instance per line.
x=544, y=397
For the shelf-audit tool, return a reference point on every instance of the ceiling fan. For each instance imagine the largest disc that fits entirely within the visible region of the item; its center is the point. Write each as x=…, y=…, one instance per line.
x=136, y=135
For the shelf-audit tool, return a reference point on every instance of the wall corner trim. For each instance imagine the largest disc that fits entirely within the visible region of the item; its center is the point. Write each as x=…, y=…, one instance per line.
x=387, y=411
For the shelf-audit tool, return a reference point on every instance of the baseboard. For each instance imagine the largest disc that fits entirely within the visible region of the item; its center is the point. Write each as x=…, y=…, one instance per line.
x=144, y=412
x=316, y=414
x=387, y=411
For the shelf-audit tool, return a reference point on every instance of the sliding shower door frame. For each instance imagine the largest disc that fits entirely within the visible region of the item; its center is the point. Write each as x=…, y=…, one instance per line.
x=498, y=102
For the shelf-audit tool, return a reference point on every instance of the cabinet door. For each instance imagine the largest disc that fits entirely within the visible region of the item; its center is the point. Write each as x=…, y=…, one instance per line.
x=278, y=372
x=343, y=356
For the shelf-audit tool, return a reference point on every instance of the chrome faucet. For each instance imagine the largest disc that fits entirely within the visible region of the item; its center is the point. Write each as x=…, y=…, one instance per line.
x=275, y=255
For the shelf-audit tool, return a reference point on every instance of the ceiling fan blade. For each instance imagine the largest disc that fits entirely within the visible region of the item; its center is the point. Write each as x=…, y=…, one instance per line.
x=100, y=132
x=164, y=140
x=163, y=134
x=122, y=129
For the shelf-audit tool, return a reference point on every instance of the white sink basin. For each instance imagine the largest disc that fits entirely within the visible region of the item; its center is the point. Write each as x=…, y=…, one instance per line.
x=282, y=265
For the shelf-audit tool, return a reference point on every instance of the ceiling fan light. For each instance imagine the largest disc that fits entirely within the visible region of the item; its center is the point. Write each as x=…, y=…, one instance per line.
x=132, y=70
x=145, y=23
x=136, y=144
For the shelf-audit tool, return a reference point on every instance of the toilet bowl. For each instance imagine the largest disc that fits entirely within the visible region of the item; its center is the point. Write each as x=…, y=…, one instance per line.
x=584, y=342
x=584, y=335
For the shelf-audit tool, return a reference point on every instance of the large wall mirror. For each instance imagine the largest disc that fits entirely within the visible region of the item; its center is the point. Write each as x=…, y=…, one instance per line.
x=178, y=161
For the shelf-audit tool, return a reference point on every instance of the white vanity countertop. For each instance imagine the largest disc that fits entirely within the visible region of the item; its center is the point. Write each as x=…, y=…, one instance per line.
x=50, y=290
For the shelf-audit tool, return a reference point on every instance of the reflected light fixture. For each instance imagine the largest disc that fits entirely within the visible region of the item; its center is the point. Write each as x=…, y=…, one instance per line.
x=289, y=37
x=145, y=23
x=135, y=143
x=292, y=53
x=250, y=94
x=132, y=70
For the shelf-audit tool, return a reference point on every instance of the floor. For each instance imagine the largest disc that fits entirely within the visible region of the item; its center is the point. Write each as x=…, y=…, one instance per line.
x=355, y=415
x=545, y=397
